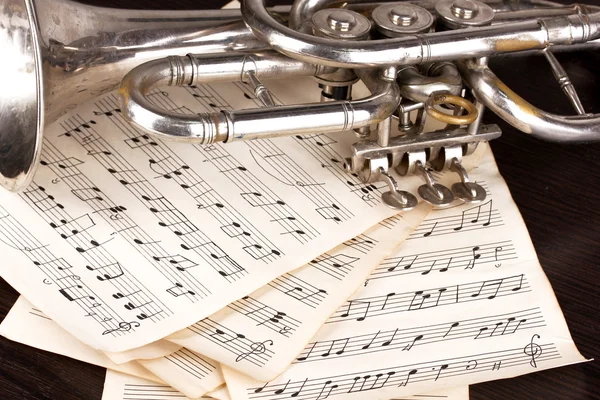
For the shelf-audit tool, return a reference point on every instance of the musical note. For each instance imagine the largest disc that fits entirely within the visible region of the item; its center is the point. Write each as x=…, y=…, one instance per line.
x=323, y=389
x=122, y=174
x=292, y=293
x=330, y=212
x=179, y=290
x=410, y=373
x=166, y=172
x=75, y=226
x=495, y=283
x=371, y=382
x=476, y=257
x=64, y=164
x=407, y=266
x=69, y=295
x=387, y=297
x=234, y=229
x=454, y=325
x=279, y=391
x=476, y=219
x=182, y=263
x=256, y=199
x=45, y=203
x=120, y=295
x=258, y=252
x=440, y=369
x=130, y=306
x=351, y=303
x=423, y=300
x=94, y=244
x=60, y=263
x=140, y=141
x=339, y=352
x=87, y=194
x=445, y=269
x=365, y=347
x=114, y=271
x=255, y=348
x=388, y=342
x=426, y=234
x=411, y=344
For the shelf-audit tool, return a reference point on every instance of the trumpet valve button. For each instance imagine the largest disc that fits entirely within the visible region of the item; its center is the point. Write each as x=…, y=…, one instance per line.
x=403, y=16
x=437, y=195
x=341, y=21
x=464, y=9
x=399, y=200
x=469, y=192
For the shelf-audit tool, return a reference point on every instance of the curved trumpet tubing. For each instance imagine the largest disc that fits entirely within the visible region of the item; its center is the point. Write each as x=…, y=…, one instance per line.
x=267, y=122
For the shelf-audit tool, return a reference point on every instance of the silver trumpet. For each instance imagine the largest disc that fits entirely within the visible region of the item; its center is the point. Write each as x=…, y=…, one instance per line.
x=428, y=58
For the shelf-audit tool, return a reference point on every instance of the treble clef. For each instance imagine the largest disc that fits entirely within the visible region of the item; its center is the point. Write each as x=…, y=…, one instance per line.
x=255, y=348
x=533, y=350
x=123, y=327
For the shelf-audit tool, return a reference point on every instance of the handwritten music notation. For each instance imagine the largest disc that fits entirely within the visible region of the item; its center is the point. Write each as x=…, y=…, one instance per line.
x=405, y=339
x=405, y=375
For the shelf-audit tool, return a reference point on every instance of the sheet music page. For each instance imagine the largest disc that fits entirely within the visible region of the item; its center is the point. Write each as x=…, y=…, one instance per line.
x=122, y=239
x=464, y=300
x=261, y=334
x=24, y=323
x=189, y=372
x=119, y=386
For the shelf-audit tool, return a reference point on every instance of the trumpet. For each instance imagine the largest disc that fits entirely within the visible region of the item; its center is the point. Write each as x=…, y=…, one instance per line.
x=428, y=58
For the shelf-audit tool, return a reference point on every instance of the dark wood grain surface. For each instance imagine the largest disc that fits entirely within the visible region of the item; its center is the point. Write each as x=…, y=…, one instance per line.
x=556, y=189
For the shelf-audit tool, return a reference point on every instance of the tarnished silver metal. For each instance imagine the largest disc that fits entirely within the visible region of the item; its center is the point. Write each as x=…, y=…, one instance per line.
x=227, y=126
x=341, y=24
x=465, y=190
x=524, y=116
x=528, y=34
x=394, y=198
x=57, y=54
x=399, y=145
x=394, y=20
x=563, y=80
x=436, y=77
x=457, y=14
x=52, y=64
x=433, y=193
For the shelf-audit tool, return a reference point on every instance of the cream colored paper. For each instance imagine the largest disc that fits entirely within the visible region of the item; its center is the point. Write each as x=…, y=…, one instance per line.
x=463, y=301
x=119, y=386
x=190, y=373
x=27, y=325
x=262, y=333
x=123, y=239
x=157, y=349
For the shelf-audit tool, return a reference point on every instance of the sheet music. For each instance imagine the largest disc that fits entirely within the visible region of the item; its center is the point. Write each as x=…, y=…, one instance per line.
x=154, y=350
x=464, y=300
x=190, y=373
x=123, y=239
x=119, y=386
x=28, y=325
x=261, y=334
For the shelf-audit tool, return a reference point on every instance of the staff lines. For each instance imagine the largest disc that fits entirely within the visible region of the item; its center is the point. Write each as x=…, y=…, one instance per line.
x=101, y=262
x=170, y=166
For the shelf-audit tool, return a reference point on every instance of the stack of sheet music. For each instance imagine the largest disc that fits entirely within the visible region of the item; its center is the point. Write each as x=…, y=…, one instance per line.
x=262, y=265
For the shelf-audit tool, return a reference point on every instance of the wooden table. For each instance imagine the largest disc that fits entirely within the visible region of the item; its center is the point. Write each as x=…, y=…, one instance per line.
x=556, y=189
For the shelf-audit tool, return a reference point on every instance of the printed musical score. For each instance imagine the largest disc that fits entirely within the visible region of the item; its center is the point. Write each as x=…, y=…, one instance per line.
x=145, y=237
x=285, y=314
x=460, y=307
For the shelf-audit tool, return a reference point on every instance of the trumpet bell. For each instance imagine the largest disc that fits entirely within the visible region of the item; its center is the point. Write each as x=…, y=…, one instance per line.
x=51, y=64
x=21, y=110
